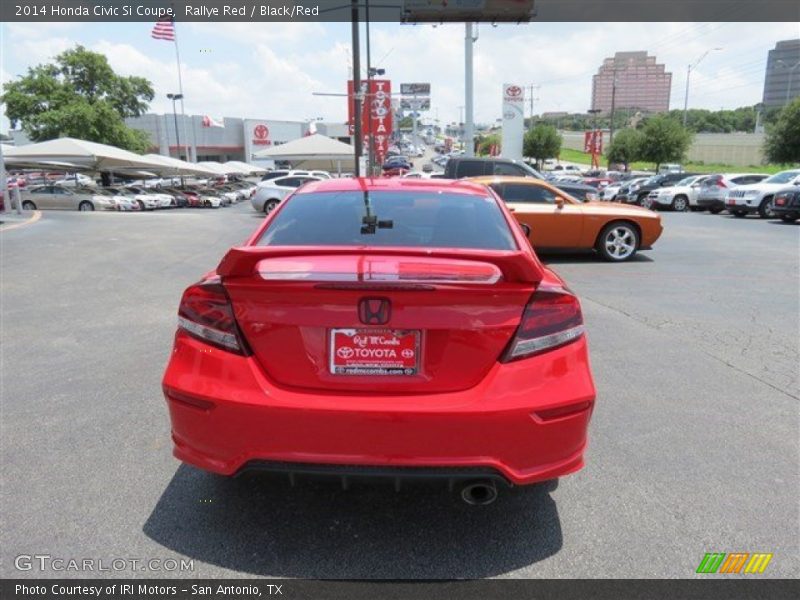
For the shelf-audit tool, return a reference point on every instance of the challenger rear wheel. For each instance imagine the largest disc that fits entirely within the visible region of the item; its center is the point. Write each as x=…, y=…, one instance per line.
x=618, y=241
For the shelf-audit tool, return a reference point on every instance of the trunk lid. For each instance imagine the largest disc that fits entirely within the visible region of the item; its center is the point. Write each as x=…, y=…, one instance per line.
x=452, y=312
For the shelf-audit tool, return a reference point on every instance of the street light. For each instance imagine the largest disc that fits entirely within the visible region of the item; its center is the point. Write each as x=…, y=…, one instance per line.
x=785, y=65
x=175, y=98
x=688, y=74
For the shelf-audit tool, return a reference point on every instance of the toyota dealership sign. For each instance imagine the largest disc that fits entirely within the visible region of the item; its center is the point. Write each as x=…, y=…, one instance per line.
x=513, y=112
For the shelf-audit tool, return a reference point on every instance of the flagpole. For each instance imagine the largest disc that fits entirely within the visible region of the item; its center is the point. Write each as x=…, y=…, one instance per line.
x=180, y=91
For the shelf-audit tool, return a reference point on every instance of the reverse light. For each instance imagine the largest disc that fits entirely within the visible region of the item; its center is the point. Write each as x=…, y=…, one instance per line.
x=206, y=313
x=551, y=319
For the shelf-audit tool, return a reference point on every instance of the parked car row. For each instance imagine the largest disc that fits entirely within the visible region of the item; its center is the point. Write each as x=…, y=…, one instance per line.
x=133, y=197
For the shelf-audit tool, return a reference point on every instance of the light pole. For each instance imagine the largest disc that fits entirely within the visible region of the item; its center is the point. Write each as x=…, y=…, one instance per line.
x=175, y=98
x=688, y=74
x=785, y=65
x=469, y=133
x=595, y=161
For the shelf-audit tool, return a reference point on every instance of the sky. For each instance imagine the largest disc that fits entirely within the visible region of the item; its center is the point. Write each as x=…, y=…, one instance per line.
x=272, y=70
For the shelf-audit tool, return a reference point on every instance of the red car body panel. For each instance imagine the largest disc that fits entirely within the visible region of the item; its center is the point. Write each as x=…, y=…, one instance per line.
x=465, y=407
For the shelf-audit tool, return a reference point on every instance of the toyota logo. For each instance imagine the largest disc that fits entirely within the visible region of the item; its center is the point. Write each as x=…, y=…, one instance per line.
x=261, y=132
x=513, y=90
x=345, y=353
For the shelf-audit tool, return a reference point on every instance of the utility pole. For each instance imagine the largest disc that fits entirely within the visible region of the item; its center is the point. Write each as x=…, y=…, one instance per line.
x=613, y=106
x=688, y=75
x=357, y=94
x=368, y=104
x=469, y=128
x=532, y=87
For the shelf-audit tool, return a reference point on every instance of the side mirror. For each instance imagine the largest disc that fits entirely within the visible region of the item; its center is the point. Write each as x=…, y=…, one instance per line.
x=560, y=202
x=526, y=228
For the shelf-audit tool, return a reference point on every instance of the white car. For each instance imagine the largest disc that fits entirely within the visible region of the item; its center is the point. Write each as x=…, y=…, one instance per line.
x=76, y=180
x=680, y=197
x=100, y=195
x=270, y=193
x=164, y=200
x=566, y=170
x=145, y=201
x=757, y=197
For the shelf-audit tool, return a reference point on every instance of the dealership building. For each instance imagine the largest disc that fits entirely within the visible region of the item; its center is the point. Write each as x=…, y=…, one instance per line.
x=236, y=139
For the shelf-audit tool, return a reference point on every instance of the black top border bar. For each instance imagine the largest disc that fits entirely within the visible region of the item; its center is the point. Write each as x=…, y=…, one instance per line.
x=396, y=11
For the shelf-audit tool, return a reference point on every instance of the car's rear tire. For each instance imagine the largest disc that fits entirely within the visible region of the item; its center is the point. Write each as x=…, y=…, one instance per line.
x=270, y=205
x=618, y=241
x=739, y=213
x=640, y=199
x=765, y=208
x=28, y=205
x=86, y=206
x=680, y=204
x=647, y=203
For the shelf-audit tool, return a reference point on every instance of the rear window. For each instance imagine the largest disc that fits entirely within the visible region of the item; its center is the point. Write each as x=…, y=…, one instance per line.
x=412, y=219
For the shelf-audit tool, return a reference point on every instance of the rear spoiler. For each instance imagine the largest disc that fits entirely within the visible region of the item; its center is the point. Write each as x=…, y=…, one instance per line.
x=516, y=265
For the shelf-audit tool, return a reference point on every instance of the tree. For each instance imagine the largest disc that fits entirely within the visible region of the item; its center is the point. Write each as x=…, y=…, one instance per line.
x=782, y=144
x=663, y=140
x=626, y=147
x=485, y=143
x=542, y=142
x=80, y=96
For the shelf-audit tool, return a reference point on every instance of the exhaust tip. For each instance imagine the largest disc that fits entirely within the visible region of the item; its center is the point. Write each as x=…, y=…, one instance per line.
x=479, y=493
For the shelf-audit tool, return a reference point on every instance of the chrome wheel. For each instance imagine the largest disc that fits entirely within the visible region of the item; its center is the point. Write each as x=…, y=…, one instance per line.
x=270, y=205
x=680, y=204
x=619, y=242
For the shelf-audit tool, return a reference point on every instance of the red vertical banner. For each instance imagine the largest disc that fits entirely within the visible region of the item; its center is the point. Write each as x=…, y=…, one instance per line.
x=376, y=114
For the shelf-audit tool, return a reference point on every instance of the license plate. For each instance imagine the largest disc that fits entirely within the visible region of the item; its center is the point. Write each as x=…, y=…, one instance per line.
x=374, y=352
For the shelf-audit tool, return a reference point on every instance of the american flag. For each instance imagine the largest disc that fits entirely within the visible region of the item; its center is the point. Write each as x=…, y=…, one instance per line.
x=164, y=30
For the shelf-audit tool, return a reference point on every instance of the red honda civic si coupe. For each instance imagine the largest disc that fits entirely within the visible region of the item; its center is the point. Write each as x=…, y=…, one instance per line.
x=393, y=328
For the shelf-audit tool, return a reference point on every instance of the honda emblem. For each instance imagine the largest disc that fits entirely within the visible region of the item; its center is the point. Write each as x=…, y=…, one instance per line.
x=374, y=311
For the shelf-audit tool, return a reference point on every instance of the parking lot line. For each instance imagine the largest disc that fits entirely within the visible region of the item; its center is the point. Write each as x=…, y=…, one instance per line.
x=37, y=214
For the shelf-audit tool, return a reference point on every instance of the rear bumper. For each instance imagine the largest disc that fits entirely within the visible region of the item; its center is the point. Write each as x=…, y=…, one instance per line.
x=713, y=203
x=245, y=421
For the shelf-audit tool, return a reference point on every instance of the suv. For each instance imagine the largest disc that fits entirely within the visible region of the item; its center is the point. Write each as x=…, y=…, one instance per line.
x=463, y=166
x=679, y=197
x=787, y=205
x=716, y=187
x=656, y=181
x=757, y=197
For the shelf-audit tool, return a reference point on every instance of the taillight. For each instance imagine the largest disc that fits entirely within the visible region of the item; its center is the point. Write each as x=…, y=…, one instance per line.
x=206, y=313
x=552, y=318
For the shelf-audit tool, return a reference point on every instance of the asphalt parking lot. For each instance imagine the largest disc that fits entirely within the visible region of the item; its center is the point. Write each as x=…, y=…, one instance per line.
x=694, y=441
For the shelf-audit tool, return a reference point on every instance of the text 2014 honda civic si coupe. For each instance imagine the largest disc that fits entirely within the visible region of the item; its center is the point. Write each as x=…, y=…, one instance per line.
x=390, y=328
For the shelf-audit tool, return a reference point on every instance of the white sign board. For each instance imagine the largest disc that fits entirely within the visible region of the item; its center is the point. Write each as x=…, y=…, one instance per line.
x=513, y=120
x=263, y=134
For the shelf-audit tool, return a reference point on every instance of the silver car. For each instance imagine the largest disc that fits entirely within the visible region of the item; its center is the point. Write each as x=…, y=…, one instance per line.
x=715, y=189
x=56, y=197
x=270, y=193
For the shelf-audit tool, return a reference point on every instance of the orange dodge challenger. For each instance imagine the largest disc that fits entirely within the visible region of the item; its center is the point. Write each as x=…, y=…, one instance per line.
x=559, y=221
